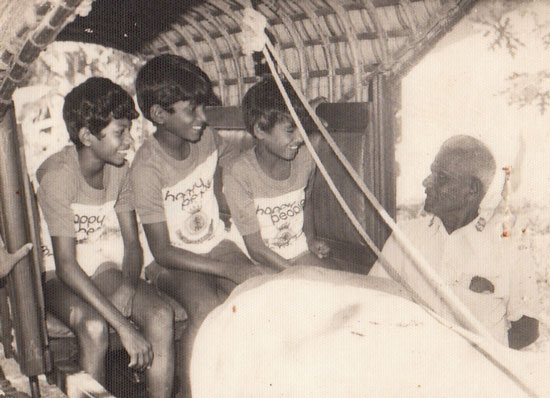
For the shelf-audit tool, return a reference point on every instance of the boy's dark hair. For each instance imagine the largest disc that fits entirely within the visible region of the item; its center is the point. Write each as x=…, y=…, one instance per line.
x=93, y=104
x=167, y=79
x=263, y=104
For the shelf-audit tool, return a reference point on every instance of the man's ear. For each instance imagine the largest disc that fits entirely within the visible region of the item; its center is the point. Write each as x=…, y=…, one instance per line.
x=85, y=136
x=158, y=113
x=476, y=188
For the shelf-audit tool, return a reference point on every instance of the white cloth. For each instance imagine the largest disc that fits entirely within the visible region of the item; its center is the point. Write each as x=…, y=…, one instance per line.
x=311, y=332
x=459, y=257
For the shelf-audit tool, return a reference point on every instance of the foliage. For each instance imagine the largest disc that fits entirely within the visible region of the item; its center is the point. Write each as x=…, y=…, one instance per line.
x=496, y=18
x=59, y=68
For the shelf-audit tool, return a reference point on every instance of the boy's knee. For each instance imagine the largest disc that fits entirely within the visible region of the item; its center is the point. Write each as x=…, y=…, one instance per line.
x=208, y=302
x=161, y=321
x=91, y=327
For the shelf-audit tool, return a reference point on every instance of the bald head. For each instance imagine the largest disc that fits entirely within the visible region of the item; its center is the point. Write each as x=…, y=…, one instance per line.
x=469, y=157
x=461, y=175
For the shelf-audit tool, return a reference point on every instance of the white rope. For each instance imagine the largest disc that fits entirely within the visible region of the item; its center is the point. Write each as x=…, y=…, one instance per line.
x=463, y=313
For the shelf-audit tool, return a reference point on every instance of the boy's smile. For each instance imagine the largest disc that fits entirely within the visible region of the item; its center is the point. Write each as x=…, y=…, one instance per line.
x=187, y=120
x=113, y=142
x=283, y=140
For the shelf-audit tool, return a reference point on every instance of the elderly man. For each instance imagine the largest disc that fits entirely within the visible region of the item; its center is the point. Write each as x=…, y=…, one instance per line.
x=480, y=266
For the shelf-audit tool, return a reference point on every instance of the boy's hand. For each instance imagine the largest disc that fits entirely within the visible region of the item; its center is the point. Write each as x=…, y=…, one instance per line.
x=242, y=272
x=318, y=247
x=139, y=349
x=8, y=261
x=123, y=298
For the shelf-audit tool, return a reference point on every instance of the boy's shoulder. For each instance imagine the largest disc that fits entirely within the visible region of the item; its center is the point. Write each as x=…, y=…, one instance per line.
x=144, y=152
x=61, y=165
x=243, y=164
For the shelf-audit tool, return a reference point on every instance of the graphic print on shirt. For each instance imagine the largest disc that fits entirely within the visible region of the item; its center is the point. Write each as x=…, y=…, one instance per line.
x=191, y=209
x=281, y=222
x=97, y=234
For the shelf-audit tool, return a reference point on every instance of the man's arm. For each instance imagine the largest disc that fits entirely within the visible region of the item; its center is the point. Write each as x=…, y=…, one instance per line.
x=263, y=254
x=170, y=256
x=70, y=273
x=523, y=304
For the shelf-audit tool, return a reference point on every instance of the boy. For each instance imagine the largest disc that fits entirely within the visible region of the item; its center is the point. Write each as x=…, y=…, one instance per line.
x=268, y=188
x=173, y=178
x=87, y=203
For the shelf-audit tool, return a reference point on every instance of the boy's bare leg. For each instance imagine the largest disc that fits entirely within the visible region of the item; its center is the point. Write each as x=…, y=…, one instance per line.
x=197, y=293
x=86, y=323
x=155, y=319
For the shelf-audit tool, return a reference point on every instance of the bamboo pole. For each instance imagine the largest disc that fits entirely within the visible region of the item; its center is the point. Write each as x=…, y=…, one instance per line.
x=24, y=291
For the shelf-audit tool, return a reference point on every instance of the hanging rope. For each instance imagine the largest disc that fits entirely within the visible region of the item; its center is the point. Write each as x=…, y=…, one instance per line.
x=435, y=281
x=253, y=23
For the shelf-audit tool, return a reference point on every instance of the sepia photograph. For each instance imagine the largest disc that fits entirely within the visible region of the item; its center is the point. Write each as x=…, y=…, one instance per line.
x=274, y=198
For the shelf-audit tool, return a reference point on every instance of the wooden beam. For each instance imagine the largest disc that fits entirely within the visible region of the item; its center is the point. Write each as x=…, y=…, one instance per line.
x=345, y=117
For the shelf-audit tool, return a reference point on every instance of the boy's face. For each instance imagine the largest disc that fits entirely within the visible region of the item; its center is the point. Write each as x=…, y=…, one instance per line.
x=113, y=142
x=187, y=120
x=283, y=140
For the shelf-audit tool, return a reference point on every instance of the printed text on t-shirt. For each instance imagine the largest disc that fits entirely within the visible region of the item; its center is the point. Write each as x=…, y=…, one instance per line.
x=188, y=196
x=282, y=212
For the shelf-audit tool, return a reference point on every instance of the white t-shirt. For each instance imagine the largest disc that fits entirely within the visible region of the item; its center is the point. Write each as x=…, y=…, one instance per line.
x=180, y=193
x=273, y=207
x=72, y=208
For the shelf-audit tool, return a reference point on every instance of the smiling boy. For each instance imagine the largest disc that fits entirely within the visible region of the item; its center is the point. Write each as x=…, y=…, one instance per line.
x=87, y=203
x=173, y=177
x=268, y=188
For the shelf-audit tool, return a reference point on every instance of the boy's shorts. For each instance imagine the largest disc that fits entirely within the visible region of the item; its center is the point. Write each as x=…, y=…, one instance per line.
x=107, y=283
x=226, y=251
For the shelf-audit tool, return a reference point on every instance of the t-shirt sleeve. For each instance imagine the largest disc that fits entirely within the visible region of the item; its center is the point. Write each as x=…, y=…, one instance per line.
x=125, y=199
x=55, y=195
x=240, y=201
x=147, y=191
x=228, y=149
x=523, y=298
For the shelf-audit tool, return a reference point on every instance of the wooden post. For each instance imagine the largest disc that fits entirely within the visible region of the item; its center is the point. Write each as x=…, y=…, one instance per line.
x=24, y=291
x=381, y=166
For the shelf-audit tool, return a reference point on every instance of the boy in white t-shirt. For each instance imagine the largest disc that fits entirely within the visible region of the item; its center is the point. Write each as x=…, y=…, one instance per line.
x=87, y=203
x=268, y=188
x=173, y=179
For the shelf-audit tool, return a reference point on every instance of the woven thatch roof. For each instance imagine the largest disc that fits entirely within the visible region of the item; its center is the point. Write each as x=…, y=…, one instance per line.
x=331, y=46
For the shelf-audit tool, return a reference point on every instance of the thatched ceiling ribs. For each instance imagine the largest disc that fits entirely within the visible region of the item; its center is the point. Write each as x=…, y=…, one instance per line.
x=37, y=25
x=332, y=46
x=214, y=50
x=233, y=71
